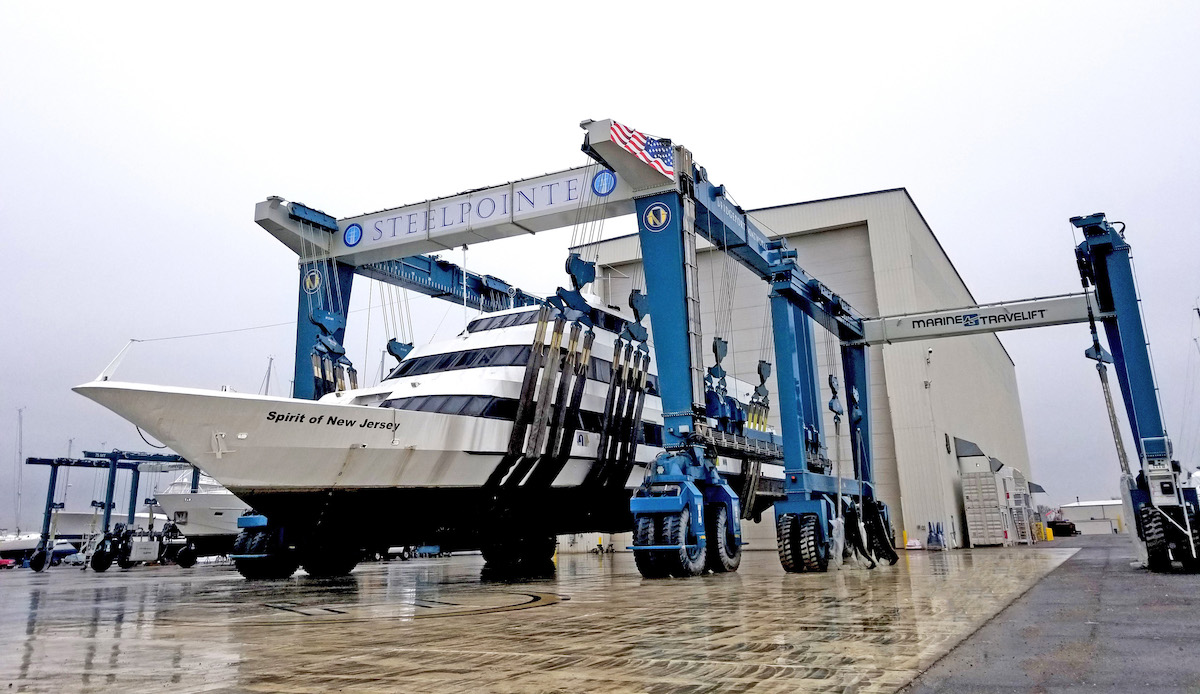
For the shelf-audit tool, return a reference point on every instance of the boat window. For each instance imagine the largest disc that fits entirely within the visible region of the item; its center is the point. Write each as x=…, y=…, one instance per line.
x=502, y=408
x=438, y=403
x=492, y=407
x=506, y=321
x=506, y=355
x=475, y=406
x=607, y=321
x=652, y=434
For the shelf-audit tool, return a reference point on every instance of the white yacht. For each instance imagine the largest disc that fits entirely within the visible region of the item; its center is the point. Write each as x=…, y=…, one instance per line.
x=207, y=516
x=76, y=526
x=18, y=545
x=432, y=453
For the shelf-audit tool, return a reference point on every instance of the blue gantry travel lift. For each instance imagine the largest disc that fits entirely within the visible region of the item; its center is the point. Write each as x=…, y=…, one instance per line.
x=112, y=544
x=686, y=517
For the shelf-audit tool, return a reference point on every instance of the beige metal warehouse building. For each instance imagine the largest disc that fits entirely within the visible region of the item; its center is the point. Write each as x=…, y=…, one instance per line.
x=876, y=251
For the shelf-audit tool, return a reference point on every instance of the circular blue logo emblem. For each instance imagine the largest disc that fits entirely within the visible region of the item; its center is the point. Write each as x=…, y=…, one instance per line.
x=312, y=281
x=657, y=217
x=352, y=235
x=604, y=183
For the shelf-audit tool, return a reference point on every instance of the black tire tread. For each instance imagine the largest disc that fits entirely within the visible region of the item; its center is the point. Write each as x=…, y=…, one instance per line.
x=100, y=561
x=811, y=541
x=1156, y=539
x=646, y=532
x=786, y=535
x=724, y=552
x=276, y=566
x=185, y=558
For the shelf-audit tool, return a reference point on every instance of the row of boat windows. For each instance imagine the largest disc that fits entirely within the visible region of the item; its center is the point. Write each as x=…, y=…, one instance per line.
x=506, y=321
x=492, y=407
x=602, y=320
x=507, y=355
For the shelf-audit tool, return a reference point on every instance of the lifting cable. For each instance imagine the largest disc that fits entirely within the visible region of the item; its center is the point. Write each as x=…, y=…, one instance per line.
x=831, y=372
x=306, y=266
x=367, y=339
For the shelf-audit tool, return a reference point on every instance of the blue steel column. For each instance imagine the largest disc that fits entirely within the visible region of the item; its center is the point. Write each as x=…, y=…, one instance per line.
x=788, y=378
x=806, y=353
x=856, y=376
x=108, y=492
x=668, y=310
x=1127, y=338
x=133, y=493
x=307, y=331
x=1108, y=255
x=49, y=506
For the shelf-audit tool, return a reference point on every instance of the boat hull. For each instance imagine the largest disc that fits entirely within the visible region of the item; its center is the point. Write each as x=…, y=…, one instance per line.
x=388, y=475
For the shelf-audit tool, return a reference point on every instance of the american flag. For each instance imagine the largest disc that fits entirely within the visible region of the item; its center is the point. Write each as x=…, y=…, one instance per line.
x=655, y=152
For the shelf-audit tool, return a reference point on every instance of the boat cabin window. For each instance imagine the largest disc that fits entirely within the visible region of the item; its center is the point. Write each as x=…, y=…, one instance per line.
x=604, y=321
x=507, y=355
x=486, y=406
x=506, y=321
x=492, y=407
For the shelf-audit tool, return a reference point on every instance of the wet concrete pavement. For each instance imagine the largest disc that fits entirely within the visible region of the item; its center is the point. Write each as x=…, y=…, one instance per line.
x=432, y=625
x=1095, y=624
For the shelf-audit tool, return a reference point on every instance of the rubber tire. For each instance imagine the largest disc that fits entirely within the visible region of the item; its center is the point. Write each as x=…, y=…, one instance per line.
x=1192, y=564
x=185, y=558
x=724, y=551
x=536, y=550
x=101, y=560
x=241, y=543
x=520, y=552
x=276, y=566
x=813, y=552
x=646, y=531
x=787, y=538
x=125, y=563
x=39, y=561
x=330, y=563
x=682, y=562
x=1158, y=558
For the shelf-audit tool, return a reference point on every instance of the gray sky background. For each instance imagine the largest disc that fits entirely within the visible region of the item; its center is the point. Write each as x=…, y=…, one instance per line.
x=135, y=140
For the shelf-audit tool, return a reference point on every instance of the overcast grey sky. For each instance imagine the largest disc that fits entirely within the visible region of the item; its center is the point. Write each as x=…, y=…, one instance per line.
x=135, y=140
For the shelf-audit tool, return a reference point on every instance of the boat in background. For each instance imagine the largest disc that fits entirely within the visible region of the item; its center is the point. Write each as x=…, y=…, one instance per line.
x=18, y=546
x=77, y=526
x=22, y=547
x=207, y=516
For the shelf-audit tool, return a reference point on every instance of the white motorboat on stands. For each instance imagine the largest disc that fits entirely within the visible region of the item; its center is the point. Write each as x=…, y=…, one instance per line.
x=206, y=514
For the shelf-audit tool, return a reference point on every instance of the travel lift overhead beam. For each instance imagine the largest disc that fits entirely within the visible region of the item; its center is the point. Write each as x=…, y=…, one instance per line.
x=1154, y=497
x=393, y=245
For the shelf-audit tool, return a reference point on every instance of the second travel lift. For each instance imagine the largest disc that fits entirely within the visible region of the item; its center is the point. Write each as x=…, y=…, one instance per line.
x=686, y=517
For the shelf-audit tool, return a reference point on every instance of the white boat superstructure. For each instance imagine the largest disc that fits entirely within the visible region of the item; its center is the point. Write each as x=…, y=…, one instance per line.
x=207, y=515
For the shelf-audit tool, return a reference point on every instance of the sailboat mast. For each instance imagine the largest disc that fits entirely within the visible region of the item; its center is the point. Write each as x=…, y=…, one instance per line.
x=20, y=460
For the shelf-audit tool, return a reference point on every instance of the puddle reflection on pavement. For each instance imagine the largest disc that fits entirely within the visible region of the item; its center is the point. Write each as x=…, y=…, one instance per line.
x=433, y=625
